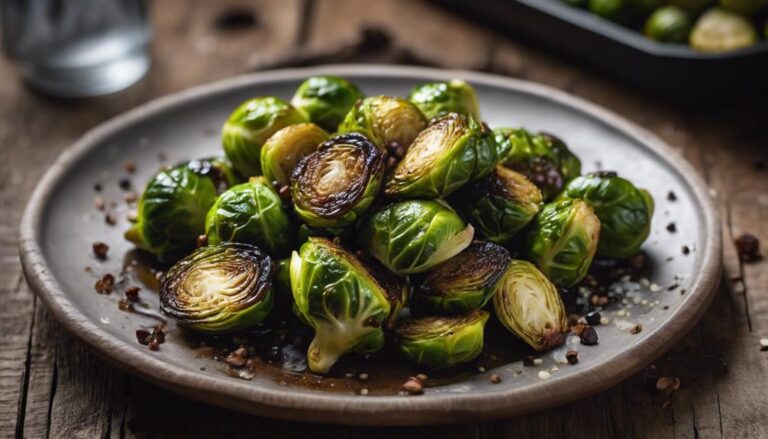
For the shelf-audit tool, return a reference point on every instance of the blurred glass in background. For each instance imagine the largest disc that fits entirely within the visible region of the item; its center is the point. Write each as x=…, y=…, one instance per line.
x=77, y=48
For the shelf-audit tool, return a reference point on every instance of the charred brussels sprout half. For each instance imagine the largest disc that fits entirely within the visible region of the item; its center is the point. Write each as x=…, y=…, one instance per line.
x=462, y=283
x=529, y=306
x=624, y=211
x=437, y=99
x=250, y=125
x=410, y=237
x=670, y=24
x=440, y=342
x=172, y=208
x=564, y=240
x=385, y=120
x=335, y=184
x=219, y=288
x=251, y=213
x=449, y=153
x=542, y=158
x=284, y=149
x=718, y=30
x=336, y=295
x=500, y=205
x=325, y=100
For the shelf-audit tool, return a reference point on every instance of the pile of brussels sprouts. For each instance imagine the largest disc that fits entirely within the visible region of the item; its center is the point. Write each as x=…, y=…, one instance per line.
x=705, y=25
x=401, y=226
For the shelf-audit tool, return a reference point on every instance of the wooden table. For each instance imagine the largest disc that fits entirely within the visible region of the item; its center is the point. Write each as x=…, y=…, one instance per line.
x=51, y=386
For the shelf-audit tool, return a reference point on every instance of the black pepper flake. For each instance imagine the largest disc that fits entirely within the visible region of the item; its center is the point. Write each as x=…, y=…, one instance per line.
x=105, y=285
x=97, y=187
x=132, y=294
x=671, y=228
x=748, y=247
x=528, y=361
x=671, y=196
x=636, y=329
x=686, y=250
x=100, y=250
x=110, y=219
x=125, y=183
x=672, y=287
x=572, y=357
x=143, y=336
x=588, y=336
x=593, y=318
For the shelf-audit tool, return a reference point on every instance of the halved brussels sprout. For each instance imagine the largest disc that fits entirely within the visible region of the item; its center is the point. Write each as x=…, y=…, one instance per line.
x=462, y=283
x=325, y=100
x=449, y=153
x=542, y=158
x=437, y=99
x=440, y=342
x=172, y=208
x=334, y=185
x=624, y=211
x=336, y=294
x=410, y=237
x=564, y=240
x=252, y=213
x=500, y=205
x=219, y=288
x=385, y=120
x=529, y=306
x=670, y=24
x=284, y=149
x=250, y=125
x=718, y=30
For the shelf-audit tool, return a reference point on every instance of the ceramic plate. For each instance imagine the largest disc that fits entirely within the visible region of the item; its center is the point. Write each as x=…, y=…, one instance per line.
x=60, y=224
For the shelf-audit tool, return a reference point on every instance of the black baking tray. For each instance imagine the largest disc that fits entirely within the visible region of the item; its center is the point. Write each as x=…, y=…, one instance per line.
x=668, y=70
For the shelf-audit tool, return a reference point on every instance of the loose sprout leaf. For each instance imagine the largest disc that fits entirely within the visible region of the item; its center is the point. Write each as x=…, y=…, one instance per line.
x=219, y=288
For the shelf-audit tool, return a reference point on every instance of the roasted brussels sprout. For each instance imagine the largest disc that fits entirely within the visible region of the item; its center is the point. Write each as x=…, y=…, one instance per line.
x=449, y=153
x=410, y=237
x=335, y=294
x=542, y=158
x=250, y=125
x=437, y=99
x=624, y=211
x=440, y=342
x=718, y=30
x=529, y=306
x=670, y=24
x=385, y=120
x=325, y=100
x=564, y=240
x=172, y=209
x=252, y=213
x=500, y=205
x=219, y=288
x=284, y=149
x=335, y=184
x=462, y=283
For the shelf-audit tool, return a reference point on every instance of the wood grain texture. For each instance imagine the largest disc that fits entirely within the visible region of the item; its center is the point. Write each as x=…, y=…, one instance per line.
x=720, y=364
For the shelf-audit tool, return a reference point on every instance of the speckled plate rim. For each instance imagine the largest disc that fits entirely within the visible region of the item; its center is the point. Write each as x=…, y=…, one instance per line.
x=352, y=409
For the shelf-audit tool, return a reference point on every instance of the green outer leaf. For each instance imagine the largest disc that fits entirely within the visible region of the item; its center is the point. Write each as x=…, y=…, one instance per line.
x=440, y=342
x=325, y=100
x=171, y=213
x=529, y=306
x=563, y=241
x=410, y=237
x=437, y=99
x=500, y=206
x=625, y=211
x=250, y=125
x=251, y=213
x=467, y=153
x=243, y=300
x=384, y=120
x=336, y=295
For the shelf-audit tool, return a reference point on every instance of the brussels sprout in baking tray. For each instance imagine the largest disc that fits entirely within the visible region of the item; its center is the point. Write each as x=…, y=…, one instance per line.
x=313, y=295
